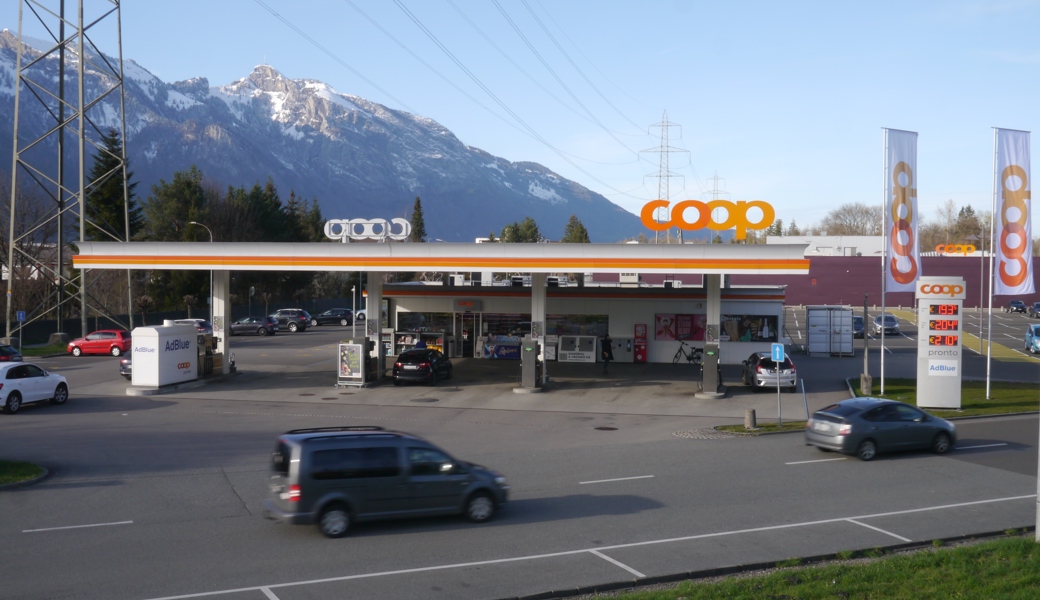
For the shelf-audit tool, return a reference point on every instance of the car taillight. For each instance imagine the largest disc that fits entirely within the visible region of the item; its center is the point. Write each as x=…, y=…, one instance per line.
x=844, y=429
x=760, y=369
x=808, y=424
x=293, y=493
x=398, y=365
x=424, y=365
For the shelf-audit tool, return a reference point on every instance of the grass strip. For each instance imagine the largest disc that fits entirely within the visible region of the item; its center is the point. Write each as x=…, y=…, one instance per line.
x=764, y=427
x=17, y=471
x=1005, y=397
x=1005, y=568
x=44, y=350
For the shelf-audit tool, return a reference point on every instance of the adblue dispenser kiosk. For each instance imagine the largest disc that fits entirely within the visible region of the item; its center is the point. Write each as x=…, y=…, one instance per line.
x=940, y=301
x=165, y=355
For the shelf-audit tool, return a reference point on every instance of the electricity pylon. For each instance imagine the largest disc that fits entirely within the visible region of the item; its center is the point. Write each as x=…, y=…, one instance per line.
x=664, y=174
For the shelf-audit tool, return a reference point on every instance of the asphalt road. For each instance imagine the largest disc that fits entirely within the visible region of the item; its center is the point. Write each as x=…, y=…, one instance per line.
x=161, y=496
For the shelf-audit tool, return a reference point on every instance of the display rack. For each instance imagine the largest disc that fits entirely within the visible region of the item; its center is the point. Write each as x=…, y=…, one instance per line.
x=406, y=340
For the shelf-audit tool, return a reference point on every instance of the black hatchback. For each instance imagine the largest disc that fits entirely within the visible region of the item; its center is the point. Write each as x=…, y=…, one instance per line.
x=424, y=364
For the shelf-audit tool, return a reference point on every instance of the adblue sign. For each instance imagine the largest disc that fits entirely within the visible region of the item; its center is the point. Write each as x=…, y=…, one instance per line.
x=736, y=215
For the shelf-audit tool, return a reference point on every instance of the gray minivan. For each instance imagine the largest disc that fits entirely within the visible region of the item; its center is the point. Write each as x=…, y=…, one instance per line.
x=335, y=475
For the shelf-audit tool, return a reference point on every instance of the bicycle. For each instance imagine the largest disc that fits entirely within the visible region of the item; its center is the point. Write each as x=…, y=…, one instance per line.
x=694, y=356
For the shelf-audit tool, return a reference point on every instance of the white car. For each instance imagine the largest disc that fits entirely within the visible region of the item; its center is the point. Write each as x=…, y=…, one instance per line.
x=22, y=383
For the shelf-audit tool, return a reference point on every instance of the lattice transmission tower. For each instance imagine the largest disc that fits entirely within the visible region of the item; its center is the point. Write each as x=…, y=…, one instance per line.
x=664, y=175
x=68, y=94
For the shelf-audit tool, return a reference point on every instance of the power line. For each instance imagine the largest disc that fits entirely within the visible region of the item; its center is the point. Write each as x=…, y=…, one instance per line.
x=664, y=173
x=332, y=55
x=497, y=100
x=575, y=65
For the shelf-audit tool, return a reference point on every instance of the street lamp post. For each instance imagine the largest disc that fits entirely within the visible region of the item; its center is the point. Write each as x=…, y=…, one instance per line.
x=982, y=283
x=210, y=271
x=353, y=310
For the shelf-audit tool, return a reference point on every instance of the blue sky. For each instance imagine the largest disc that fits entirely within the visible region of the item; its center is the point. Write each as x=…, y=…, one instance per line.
x=785, y=101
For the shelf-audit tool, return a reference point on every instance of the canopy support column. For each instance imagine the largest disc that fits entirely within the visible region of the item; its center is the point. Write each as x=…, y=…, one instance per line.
x=221, y=317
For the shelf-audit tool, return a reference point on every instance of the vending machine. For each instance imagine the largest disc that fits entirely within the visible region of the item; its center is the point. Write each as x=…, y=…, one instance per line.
x=639, y=344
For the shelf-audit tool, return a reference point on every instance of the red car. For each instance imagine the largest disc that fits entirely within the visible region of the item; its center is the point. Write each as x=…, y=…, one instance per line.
x=105, y=341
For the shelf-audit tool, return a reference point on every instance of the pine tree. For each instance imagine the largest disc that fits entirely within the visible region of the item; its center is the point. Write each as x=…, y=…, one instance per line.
x=793, y=229
x=575, y=232
x=106, y=214
x=418, y=224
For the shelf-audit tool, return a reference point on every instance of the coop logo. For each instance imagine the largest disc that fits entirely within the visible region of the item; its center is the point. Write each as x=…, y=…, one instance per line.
x=963, y=249
x=1015, y=205
x=345, y=230
x=902, y=234
x=186, y=365
x=736, y=215
x=942, y=290
x=174, y=345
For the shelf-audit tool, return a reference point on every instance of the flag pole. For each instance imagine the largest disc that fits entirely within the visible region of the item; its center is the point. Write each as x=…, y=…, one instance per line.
x=884, y=254
x=992, y=248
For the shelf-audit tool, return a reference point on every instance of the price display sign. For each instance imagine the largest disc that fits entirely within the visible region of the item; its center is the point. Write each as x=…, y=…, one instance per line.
x=939, y=341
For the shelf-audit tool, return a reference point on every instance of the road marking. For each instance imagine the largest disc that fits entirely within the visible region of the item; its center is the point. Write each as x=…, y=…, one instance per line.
x=806, y=462
x=270, y=595
x=982, y=446
x=76, y=526
x=499, y=561
x=898, y=537
x=618, y=563
x=618, y=479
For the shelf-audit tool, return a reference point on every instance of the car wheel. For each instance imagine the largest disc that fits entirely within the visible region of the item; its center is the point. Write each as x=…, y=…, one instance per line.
x=361, y=317
x=116, y=351
x=334, y=521
x=867, y=450
x=261, y=331
x=76, y=351
x=14, y=402
x=314, y=322
x=822, y=449
x=479, y=507
x=397, y=382
x=941, y=444
x=293, y=327
x=343, y=322
x=61, y=394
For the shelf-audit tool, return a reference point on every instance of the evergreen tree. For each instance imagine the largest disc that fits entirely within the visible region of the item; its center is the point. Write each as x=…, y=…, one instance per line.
x=418, y=225
x=575, y=232
x=106, y=214
x=793, y=229
x=524, y=232
x=168, y=212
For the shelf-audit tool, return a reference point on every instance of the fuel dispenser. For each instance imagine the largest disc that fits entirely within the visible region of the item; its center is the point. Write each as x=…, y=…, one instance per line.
x=530, y=366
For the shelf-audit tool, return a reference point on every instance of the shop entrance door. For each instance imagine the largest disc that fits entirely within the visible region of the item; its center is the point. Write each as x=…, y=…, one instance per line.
x=465, y=334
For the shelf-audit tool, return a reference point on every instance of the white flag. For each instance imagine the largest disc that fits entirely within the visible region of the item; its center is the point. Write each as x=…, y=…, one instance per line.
x=1014, y=272
x=902, y=252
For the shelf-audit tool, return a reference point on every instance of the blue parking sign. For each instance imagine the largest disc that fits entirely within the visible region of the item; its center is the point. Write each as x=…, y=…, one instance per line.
x=21, y=315
x=778, y=352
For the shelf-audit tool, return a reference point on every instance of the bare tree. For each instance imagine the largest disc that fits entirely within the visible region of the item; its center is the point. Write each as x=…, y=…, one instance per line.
x=853, y=218
x=948, y=219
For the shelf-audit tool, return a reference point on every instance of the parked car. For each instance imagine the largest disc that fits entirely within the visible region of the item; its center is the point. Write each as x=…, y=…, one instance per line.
x=9, y=354
x=103, y=341
x=25, y=383
x=858, y=327
x=422, y=364
x=333, y=476
x=363, y=314
x=1033, y=339
x=864, y=427
x=126, y=366
x=1015, y=306
x=891, y=325
x=1034, y=310
x=293, y=319
x=201, y=325
x=760, y=371
x=255, y=325
x=334, y=316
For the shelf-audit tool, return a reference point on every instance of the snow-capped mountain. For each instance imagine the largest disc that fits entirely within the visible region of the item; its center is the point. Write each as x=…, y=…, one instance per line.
x=360, y=159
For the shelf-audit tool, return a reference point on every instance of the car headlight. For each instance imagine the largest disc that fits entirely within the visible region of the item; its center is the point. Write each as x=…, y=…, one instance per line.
x=500, y=480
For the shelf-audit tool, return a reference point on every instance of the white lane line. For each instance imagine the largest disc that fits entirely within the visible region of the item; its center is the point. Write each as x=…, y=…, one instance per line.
x=76, y=526
x=982, y=446
x=270, y=595
x=618, y=563
x=499, y=561
x=1014, y=337
x=618, y=479
x=898, y=537
x=805, y=462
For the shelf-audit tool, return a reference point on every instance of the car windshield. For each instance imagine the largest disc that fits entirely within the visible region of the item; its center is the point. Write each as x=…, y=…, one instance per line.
x=1036, y=330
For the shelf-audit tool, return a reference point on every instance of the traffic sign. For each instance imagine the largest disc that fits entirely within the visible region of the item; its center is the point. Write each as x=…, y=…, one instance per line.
x=21, y=315
x=778, y=352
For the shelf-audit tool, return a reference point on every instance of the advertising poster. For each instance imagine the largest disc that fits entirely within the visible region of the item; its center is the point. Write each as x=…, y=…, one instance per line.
x=350, y=362
x=1014, y=267
x=748, y=328
x=668, y=326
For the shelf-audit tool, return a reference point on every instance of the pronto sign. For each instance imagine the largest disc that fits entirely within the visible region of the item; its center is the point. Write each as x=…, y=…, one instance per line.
x=345, y=230
x=736, y=215
x=962, y=249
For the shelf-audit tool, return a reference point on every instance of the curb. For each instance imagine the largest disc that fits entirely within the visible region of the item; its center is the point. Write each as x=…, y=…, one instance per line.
x=11, y=486
x=637, y=584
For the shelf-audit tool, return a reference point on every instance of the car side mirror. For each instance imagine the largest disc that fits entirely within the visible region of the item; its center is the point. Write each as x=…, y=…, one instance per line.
x=743, y=362
x=447, y=468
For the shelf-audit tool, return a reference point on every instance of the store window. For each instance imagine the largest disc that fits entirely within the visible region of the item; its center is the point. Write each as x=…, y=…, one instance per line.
x=506, y=325
x=420, y=321
x=596, y=325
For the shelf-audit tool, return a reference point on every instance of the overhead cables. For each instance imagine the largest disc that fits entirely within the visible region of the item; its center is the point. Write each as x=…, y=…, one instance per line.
x=494, y=97
x=331, y=55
